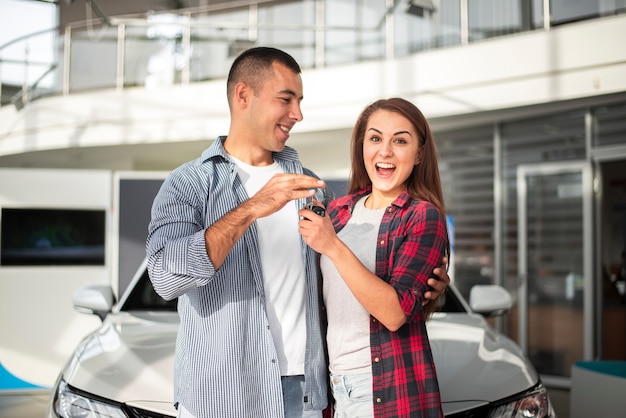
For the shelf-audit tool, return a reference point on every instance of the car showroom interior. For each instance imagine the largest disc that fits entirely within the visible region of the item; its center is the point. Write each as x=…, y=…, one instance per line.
x=102, y=100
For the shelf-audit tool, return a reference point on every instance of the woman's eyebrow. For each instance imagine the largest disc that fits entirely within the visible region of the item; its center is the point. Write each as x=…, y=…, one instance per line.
x=395, y=133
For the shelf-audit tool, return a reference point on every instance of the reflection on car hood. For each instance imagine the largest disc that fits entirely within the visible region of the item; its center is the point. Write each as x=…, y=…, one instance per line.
x=475, y=365
x=130, y=359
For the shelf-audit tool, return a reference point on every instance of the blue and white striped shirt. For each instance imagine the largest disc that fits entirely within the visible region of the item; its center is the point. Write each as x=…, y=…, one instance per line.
x=226, y=362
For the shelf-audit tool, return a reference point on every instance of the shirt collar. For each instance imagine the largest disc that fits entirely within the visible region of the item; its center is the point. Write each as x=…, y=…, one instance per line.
x=401, y=201
x=217, y=150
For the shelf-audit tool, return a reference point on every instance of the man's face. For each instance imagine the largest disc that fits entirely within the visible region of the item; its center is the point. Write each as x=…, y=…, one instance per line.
x=276, y=108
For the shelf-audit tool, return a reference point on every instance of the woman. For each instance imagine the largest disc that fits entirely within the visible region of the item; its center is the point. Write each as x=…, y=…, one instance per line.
x=378, y=247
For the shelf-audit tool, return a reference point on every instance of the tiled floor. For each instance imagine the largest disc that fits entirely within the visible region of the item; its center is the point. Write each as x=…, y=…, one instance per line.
x=35, y=406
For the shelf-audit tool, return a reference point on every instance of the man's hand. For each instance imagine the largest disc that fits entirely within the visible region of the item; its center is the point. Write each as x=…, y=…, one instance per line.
x=281, y=189
x=438, y=285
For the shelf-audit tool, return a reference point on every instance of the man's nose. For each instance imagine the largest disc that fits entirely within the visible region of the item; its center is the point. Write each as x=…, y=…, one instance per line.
x=296, y=113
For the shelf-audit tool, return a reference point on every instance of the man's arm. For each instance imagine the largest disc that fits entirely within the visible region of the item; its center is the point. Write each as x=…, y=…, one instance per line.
x=282, y=188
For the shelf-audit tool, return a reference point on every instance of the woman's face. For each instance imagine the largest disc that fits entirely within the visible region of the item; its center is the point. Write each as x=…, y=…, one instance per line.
x=390, y=151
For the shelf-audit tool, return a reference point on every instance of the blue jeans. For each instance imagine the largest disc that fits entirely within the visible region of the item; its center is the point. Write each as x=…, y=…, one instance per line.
x=353, y=395
x=293, y=398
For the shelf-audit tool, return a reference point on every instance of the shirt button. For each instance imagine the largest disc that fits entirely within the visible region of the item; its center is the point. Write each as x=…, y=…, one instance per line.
x=274, y=361
x=382, y=242
x=376, y=359
x=378, y=400
x=415, y=292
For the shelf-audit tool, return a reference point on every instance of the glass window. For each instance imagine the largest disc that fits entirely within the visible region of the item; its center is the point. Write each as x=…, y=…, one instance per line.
x=492, y=18
x=610, y=125
x=466, y=166
x=45, y=237
x=289, y=26
x=355, y=31
x=553, y=138
x=93, y=58
x=564, y=11
x=216, y=40
x=427, y=24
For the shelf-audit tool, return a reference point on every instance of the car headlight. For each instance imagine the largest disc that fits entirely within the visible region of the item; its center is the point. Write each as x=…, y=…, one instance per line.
x=532, y=404
x=69, y=403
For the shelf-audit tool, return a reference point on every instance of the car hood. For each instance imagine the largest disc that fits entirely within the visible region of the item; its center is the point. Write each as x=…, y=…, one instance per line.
x=476, y=365
x=130, y=359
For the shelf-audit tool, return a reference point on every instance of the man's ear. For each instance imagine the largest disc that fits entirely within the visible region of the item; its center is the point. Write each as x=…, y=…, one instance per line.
x=242, y=94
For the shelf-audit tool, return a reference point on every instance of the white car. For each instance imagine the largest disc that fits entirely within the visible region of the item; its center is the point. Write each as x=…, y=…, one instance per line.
x=125, y=368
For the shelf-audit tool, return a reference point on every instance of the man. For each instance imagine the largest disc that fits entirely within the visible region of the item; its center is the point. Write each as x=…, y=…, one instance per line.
x=224, y=239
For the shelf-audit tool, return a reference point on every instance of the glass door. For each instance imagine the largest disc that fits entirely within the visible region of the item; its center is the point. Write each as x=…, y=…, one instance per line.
x=555, y=266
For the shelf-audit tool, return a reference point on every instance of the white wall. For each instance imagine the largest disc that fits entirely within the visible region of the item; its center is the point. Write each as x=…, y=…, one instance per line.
x=38, y=326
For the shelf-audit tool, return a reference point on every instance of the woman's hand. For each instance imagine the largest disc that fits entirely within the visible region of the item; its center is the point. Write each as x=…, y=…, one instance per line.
x=317, y=231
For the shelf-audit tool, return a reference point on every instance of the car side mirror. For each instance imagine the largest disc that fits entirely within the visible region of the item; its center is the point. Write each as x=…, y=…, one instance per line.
x=490, y=300
x=94, y=299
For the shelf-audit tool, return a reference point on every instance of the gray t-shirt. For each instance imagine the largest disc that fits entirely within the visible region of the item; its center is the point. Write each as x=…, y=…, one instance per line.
x=348, y=336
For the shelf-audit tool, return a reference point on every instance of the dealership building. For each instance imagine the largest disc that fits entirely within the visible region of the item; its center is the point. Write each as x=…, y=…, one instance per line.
x=526, y=98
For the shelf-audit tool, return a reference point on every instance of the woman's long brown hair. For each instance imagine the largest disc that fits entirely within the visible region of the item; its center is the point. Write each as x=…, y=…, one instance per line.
x=424, y=182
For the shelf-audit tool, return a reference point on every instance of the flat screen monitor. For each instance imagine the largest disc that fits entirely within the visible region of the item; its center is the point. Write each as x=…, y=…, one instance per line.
x=45, y=237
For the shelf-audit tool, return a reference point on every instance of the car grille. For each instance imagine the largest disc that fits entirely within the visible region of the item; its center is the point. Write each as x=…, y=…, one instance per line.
x=142, y=413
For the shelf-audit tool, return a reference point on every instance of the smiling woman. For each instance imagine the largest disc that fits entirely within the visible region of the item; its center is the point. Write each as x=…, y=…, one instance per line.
x=379, y=245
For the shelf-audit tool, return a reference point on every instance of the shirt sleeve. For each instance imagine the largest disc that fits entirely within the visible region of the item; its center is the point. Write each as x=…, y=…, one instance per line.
x=175, y=247
x=416, y=253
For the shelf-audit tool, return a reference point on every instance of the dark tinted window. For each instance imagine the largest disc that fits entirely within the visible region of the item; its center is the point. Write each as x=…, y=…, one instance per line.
x=450, y=304
x=144, y=298
x=44, y=237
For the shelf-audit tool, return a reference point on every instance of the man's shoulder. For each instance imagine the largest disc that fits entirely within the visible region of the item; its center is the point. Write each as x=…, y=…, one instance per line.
x=203, y=163
x=197, y=172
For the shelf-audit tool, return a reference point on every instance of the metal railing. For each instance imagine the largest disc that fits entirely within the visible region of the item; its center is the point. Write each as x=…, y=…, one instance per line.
x=199, y=44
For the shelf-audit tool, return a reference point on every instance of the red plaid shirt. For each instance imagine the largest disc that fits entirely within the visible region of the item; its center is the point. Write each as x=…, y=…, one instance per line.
x=411, y=242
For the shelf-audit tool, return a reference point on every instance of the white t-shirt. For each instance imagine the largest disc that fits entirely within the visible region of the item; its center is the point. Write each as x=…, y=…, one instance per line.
x=283, y=272
x=348, y=335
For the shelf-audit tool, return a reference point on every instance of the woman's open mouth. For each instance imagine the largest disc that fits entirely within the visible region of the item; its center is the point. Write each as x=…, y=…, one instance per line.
x=385, y=169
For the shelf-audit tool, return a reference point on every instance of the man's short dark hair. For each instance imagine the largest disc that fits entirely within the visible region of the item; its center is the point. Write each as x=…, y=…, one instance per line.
x=255, y=64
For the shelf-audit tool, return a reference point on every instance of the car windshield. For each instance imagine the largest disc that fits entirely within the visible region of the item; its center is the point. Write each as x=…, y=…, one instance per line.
x=143, y=298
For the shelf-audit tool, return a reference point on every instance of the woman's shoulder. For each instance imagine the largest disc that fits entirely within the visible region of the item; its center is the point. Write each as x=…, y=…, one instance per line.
x=341, y=201
x=425, y=209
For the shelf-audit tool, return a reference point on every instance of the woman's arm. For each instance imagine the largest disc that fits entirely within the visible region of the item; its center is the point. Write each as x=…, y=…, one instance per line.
x=414, y=261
